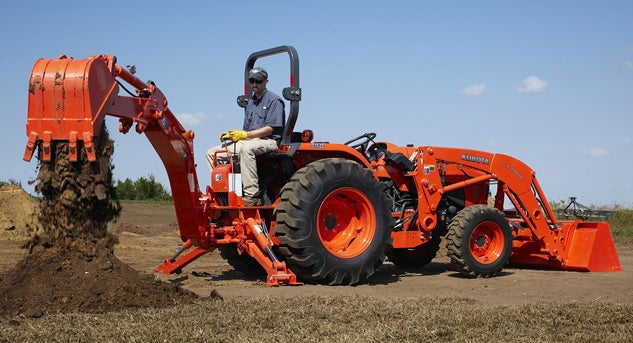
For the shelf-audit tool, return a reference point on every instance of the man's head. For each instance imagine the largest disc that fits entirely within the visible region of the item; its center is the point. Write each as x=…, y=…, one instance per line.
x=258, y=78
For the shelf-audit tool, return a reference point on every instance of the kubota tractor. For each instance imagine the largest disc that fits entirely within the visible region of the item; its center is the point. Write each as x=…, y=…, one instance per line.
x=333, y=212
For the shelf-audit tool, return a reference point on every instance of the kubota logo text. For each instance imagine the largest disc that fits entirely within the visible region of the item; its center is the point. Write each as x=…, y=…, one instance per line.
x=475, y=159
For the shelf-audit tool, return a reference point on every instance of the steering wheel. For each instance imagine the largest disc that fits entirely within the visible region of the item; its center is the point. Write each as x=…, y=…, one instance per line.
x=361, y=141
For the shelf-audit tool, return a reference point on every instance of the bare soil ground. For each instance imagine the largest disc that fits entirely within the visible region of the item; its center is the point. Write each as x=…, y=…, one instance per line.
x=147, y=233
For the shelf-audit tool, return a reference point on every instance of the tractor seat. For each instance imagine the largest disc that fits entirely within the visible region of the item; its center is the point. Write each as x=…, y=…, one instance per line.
x=274, y=169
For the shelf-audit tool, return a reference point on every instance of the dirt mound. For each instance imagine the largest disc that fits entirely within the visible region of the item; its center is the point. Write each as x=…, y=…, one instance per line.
x=71, y=265
x=80, y=277
x=19, y=211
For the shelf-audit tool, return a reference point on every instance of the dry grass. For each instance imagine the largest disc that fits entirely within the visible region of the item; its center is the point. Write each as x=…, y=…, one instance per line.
x=622, y=226
x=336, y=319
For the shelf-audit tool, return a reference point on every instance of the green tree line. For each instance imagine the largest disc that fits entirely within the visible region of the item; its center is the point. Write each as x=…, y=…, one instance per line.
x=13, y=182
x=144, y=188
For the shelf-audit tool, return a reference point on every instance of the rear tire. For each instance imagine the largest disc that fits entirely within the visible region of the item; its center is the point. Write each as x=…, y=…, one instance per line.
x=333, y=222
x=479, y=241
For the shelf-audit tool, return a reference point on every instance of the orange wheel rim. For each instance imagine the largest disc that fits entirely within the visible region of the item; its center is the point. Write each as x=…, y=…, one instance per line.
x=346, y=222
x=486, y=242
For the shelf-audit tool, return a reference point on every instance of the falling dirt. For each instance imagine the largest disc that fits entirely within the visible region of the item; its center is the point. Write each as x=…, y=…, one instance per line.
x=70, y=265
x=78, y=197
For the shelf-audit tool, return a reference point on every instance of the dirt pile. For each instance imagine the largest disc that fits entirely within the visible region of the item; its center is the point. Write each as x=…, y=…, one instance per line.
x=71, y=266
x=80, y=277
x=19, y=211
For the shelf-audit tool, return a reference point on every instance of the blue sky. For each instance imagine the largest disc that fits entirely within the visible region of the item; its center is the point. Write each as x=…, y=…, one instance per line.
x=548, y=82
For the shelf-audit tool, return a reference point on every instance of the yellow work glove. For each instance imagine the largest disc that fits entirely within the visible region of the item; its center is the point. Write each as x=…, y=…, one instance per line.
x=234, y=135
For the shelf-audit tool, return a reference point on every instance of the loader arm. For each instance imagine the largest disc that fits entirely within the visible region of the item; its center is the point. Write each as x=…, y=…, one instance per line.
x=517, y=181
x=68, y=101
x=540, y=239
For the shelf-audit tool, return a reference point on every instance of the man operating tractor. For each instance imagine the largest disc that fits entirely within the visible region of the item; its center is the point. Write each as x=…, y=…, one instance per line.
x=264, y=119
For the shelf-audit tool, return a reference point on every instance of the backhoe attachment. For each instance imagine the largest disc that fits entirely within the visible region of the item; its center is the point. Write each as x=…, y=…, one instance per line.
x=68, y=102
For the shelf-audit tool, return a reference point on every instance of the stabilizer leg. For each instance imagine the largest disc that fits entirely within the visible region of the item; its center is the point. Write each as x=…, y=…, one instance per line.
x=174, y=264
x=276, y=270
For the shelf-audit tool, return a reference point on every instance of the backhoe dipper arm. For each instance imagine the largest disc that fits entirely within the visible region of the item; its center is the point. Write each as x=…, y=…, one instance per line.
x=68, y=101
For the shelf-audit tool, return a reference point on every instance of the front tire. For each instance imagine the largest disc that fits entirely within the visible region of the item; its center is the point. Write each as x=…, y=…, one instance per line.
x=333, y=222
x=479, y=241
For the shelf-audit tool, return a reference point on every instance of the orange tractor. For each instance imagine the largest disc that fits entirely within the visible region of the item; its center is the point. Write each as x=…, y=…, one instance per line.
x=333, y=213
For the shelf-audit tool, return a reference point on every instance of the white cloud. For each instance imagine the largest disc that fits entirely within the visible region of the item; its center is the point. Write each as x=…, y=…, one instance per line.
x=531, y=84
x=597, y=152
x=189, y=119
x=628, y=65
x=474, y=90
x=493, y=143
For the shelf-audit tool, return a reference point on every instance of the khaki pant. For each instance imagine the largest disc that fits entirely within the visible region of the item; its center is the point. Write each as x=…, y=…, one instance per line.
x=247, y=150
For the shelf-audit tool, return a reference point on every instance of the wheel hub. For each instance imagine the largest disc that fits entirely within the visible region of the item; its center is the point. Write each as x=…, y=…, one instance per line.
x=330, y=222
x=346, y=222
x=486, y=242
x=480, y=241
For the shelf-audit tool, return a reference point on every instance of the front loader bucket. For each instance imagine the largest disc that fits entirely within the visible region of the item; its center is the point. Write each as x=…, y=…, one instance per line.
x=574, y=245
x=591, y=248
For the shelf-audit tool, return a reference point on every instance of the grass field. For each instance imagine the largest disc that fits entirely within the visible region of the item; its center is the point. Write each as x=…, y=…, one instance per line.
x=622, y=226
x=340, y=319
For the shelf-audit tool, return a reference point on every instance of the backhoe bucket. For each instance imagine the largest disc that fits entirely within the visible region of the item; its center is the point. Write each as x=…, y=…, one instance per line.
x=66, y=100
x=577, y=246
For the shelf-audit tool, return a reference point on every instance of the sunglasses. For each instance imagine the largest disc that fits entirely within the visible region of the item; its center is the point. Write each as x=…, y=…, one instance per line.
x=251, y=81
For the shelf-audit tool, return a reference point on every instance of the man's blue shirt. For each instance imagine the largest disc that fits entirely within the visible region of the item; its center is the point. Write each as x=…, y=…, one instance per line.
x=266, y=111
